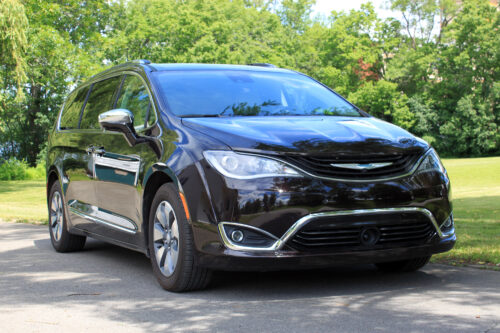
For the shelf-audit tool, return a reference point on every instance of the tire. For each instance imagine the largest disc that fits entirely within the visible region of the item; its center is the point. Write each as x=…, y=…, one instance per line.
x=61, y=239
x=409, y=265
x=171, y=244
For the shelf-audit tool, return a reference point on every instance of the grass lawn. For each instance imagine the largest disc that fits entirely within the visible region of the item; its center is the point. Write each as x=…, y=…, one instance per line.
x=23, y=201
x=476, y=207
x=476, y=203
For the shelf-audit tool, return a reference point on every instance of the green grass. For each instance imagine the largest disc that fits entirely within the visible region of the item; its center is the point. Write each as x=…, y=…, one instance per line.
x=23, y=201
x=476, y=203
x=476, y=208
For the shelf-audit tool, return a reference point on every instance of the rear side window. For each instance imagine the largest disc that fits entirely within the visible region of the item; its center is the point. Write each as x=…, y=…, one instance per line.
x=135, y=98
x=71, y=113
x=100, y=100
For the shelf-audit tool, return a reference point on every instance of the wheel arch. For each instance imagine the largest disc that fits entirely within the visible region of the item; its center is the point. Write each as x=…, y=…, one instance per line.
x=157, y=175
x=52, y=177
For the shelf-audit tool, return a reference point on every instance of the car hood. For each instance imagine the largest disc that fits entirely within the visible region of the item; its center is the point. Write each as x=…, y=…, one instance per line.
x=308, y=134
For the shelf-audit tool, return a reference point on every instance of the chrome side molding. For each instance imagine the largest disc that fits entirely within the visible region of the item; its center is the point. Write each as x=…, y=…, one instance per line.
x=280, y=242
x=100, y=216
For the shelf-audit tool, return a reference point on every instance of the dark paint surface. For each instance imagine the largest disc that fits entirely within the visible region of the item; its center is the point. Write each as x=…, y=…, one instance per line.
x=322, y=135
x=273, y=204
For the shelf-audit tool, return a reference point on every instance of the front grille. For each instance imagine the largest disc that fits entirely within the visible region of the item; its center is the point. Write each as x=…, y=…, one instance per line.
x=344, y=233
x=321, y=165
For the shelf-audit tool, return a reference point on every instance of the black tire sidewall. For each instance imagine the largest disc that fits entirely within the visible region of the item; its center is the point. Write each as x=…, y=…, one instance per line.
x=168, y=193
x=57, y=243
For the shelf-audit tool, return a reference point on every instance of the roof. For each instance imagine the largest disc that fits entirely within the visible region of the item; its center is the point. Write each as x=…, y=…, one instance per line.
x=142, y=64
x=194, y=67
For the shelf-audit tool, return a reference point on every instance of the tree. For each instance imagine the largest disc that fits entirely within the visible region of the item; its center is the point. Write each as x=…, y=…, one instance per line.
x=471, y=130
x=13, y=42
x=211, y=31
x=76, y=27
x=469, y=66
x=383, y=99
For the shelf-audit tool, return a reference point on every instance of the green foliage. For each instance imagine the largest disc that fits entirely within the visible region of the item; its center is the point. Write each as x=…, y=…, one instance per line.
x=443, y=86
x=13, y=23
x=13, y=169
x=211, y=31
x=383, y=99
x=471, y=129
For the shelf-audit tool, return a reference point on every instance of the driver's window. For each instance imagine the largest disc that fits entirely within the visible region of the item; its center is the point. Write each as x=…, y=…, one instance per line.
x=135, y=98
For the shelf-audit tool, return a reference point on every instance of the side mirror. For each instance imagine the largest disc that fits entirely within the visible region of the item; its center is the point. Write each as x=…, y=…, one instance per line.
x=120, y=120
x=116, y=120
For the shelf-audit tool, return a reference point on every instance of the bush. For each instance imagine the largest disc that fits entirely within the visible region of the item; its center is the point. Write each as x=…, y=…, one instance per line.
x=37, y=173
x=382, y=99
x=13, y=169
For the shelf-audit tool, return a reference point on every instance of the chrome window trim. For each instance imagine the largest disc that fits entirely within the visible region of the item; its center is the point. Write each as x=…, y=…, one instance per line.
x=409, y=173
x=105, y=77
x=151, y=98
x=299, y=224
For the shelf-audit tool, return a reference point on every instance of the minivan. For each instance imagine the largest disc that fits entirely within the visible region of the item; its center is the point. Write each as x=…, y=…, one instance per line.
x=228, y=167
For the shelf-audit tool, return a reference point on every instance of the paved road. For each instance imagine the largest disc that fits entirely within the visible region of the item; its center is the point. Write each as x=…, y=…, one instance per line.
x=109, y=289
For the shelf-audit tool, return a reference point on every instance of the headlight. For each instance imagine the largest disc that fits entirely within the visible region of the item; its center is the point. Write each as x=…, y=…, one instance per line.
x=431, y=162
x=242, y=166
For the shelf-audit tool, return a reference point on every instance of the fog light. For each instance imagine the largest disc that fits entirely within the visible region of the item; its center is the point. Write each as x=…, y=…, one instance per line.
x=237, y=236
x=448, y=223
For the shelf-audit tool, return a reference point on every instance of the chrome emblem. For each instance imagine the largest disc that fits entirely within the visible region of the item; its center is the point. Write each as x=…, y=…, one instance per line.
x=356, y=166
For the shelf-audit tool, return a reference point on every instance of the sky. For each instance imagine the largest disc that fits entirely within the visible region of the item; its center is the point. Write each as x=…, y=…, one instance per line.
x=324, y=7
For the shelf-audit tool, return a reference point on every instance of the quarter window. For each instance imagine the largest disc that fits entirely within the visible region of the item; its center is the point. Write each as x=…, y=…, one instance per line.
x=135, y=98
x=71, y=113
x=101, y=99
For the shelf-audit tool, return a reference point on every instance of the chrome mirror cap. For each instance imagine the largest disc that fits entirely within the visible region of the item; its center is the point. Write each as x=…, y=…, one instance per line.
x=116, y=117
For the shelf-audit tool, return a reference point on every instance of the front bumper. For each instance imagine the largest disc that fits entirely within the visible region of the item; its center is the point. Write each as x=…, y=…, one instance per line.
x=280, y=254
x=281, y=207
x=279, y=243
x=232, y=260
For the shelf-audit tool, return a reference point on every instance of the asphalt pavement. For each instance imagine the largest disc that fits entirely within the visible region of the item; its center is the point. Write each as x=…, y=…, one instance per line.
x=109, y=289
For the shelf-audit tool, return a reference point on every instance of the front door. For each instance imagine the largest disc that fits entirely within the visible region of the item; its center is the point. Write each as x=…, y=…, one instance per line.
x=119, y=168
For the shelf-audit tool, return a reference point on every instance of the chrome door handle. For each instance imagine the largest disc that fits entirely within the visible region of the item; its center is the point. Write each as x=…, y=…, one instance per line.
x=99, y=151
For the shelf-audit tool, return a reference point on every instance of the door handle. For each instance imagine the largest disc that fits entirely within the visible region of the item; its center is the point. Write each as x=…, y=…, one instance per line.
x=99, y=151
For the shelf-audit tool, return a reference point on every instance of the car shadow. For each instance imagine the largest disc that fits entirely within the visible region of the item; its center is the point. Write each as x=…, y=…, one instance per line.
x=118, y=284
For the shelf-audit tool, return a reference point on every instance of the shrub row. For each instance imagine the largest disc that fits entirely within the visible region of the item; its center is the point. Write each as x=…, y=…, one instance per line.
x=13, y=169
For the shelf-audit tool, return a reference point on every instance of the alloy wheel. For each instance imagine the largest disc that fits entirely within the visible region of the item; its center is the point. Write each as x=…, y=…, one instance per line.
x=56, y=216
x=166, y=238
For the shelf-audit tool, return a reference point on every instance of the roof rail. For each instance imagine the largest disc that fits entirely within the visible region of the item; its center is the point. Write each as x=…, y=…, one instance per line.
x=141, y=61
x=263, y=65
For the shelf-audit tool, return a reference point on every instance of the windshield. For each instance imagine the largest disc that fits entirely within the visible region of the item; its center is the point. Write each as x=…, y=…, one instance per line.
x=248, y=93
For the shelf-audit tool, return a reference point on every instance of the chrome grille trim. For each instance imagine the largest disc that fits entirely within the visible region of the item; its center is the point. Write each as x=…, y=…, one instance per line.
x=346, y=180
x=299, y=224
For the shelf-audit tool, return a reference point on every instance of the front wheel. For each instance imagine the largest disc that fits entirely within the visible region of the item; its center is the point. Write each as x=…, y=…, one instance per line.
x=171, y=244
x=409, y=265
x=61, y=239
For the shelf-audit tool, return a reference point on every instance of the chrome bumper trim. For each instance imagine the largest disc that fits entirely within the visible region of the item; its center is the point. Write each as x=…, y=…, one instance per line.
x=299, y=224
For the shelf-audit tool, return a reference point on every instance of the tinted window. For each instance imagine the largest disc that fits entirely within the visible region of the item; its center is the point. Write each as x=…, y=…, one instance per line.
x=100, y=100
x=72, y=108
x=135, y=98
x=249, y=93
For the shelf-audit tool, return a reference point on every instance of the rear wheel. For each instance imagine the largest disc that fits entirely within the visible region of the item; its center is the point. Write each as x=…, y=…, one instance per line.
x=61, y=239
x=409, y=265
x=171, y=244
